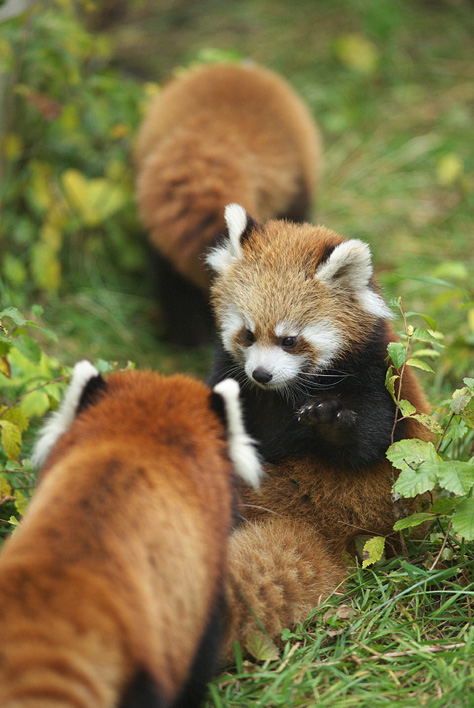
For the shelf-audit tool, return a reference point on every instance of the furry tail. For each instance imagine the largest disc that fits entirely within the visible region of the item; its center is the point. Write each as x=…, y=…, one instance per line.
x=279, y=570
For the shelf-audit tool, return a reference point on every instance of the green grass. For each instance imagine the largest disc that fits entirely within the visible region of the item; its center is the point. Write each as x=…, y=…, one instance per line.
x=400, y=636
x=392, y=133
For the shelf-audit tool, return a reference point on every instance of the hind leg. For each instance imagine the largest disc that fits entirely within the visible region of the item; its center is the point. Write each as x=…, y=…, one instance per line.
x=279, y=570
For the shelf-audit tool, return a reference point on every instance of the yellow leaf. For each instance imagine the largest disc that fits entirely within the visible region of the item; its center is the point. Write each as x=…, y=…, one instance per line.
x=69, y=118
x=5, y=489
x=51, y=236
x=45, y=266
x=75, y=186
x=94, y=200
x=151, y=89
x=449, y=169
x=12, y=146
x=373, y=551
x=11, y=439
x=21, y=501
x=262, y=647
x=470, y=319
x=120, y=130
x=40, y=183
x=357, y=52
x=15, y=415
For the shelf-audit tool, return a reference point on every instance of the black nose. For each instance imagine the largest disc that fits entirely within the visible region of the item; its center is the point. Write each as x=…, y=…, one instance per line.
x=262, y=375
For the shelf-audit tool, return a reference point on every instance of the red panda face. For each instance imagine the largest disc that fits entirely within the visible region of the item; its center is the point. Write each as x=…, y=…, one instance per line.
x=291, y=299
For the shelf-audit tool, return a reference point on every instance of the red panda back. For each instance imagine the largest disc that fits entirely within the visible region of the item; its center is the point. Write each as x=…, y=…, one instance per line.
x=221, y=133
x=115, y=573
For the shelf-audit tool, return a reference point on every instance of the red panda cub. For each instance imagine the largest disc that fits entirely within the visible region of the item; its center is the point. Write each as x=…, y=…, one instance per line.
x=111, y=590
x=304, y=330
x=218, y=134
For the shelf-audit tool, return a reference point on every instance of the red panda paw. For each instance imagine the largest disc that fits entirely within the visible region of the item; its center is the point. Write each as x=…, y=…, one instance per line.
x=333, y=421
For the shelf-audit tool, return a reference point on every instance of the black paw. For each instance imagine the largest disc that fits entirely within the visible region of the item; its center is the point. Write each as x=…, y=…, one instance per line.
x=332, y=420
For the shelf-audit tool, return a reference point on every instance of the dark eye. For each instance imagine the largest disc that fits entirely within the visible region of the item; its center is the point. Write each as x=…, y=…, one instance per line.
x=249, y=336
x=289, y=342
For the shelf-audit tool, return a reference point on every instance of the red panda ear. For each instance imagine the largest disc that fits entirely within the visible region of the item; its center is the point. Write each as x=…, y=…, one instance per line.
x=349, y=267
x=239, y=227
x=85, y=384
x=242, y=452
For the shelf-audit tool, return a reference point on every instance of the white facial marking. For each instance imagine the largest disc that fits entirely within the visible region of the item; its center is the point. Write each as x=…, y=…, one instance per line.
x=220, y=257
x=61, y=420
x=242, y=450
x=350, y=265
x=283, y=367
x=285, y=329
x=325, y=339
x=232, y=321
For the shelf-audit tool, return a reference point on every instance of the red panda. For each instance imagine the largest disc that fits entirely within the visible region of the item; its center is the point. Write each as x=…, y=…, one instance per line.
x=111, y=590
x=304, y=330
x=218, y=134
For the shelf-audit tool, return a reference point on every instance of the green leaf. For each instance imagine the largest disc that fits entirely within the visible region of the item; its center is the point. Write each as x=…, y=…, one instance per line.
x=262, y=647
x=35, y=404
x=463, y=519
x=461, y=399
x=456, y=476
x=429, y=320
x=406, y=408
x=444, y=505
x=373, y=551
x=423, y=335
x=432, y=353
x=397, y=353
x=29, y=348
x=14, y=315
x=390, y=382
x=429, y=422
x=11, y=439
x=418, y=364
x=418, y=462
x=413, y=520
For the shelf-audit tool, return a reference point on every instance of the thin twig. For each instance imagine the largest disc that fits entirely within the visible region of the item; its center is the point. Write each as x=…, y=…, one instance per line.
x=435, y=562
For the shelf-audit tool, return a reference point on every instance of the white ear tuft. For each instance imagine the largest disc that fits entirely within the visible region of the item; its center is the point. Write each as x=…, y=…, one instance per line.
x=350, y=263
x=242, y=450
x=350, y=266
x=220, y=257
x=61, y=420
x=236, y=220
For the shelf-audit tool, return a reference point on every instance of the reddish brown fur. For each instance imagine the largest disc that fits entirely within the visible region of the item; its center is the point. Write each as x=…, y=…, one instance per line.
x=220, y=134
x=281, y=577
x=288, y=254
x=118, y=561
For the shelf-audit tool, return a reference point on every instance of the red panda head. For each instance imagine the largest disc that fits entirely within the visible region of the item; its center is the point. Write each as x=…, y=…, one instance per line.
x=291, y=299
x=144, y=405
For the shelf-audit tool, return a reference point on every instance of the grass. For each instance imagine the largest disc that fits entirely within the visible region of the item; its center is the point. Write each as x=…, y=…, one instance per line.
x=398, y=173
x=401, y=636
